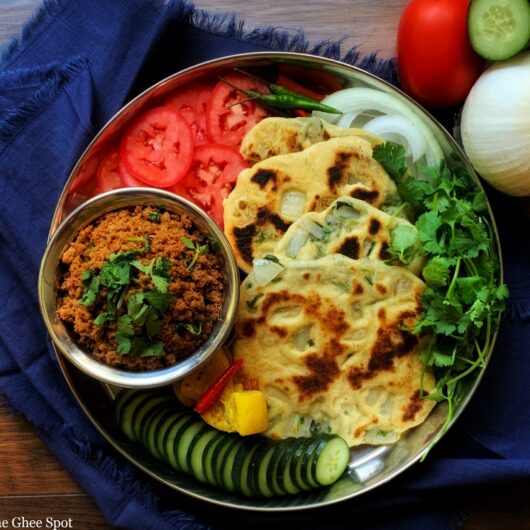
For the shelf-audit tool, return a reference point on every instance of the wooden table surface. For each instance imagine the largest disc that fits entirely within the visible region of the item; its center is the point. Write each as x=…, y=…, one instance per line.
x=32, y=483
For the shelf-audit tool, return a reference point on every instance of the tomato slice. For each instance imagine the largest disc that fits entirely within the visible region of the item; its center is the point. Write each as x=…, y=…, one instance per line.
x=158, y=148
x=227, y=121
x=211, y=178
x=128, y=180
x=107, y=176
x=191, y=101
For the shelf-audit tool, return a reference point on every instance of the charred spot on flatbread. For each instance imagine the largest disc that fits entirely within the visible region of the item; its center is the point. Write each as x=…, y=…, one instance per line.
x=323, y=370
x=350, y=247
x=243, y=240
x=266, y=216
x=263, y=176
x=338, y=172
x=364, y=194
x=374, y=226
x=413, y=407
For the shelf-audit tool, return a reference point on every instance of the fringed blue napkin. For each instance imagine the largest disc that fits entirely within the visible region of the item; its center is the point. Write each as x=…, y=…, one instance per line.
x=75, y=65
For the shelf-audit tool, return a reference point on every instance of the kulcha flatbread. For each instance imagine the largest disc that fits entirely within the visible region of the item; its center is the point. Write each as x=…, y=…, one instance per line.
x=350, y=227
x=279, y=136
x=273, y=193
x=326, y=342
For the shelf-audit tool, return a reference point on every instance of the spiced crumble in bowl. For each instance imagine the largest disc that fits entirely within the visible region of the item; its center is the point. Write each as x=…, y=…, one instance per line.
x=138, y=287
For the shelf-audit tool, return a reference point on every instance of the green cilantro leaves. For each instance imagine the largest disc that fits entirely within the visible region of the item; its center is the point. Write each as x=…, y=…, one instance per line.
x=199, y=249
x=463, y=301
x=137, y=316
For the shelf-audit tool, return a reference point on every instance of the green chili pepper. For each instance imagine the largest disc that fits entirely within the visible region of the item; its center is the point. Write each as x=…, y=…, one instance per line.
x=283, y=98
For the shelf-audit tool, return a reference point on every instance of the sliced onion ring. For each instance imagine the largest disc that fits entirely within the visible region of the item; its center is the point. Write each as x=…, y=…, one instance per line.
x=387, y=127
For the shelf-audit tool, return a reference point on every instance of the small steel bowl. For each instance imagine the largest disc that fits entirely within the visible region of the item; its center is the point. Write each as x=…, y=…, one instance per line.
x=83, y=216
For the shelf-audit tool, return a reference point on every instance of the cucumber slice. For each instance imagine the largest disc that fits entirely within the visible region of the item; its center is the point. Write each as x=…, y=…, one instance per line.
x=305, y=462
x=150, y=438
x=121, y=398
x=208, y=459
x=196, y=452
x=144, y=412
x=277, y=471
x=296, y=468
x=284, y=475
x=129, y=410
x=228, y=465
x=329, y=460
x=172, y=439
x=218, y=459
x=261, y=468
x=163, y=431
x=241, y=470
x=498, y=29
x=184, y=440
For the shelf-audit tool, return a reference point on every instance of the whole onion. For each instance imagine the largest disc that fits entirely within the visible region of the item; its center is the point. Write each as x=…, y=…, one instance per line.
x=495, y=125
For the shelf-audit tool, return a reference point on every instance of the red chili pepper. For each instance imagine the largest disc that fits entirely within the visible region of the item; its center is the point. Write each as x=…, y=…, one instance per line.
x=301, y=113
x=286, y=82
x=212, y=395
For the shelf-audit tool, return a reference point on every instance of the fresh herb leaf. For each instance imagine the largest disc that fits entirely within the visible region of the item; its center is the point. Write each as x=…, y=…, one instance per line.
x=153, y=325
x=123, y=344
x=403, y=242
x=195, y=328
x=125, y=326
x=154, y=217
x=152, y=349
x=199, y=249
x=251, y=304
x=101, y=320
x=90, y=282
x=392, y=157
x=437, y=270
x=159, y=300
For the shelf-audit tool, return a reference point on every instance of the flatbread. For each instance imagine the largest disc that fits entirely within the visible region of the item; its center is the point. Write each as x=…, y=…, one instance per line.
x=279, y=136
x=350, y=227
x=326, y=342
x=273, y=193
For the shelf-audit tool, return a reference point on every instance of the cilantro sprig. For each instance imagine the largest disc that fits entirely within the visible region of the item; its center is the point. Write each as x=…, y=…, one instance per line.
x=199, y=249
x=463, y=300
x=137, y=314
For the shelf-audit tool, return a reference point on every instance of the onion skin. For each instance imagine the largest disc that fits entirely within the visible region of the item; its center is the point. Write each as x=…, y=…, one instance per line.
x=495, y=126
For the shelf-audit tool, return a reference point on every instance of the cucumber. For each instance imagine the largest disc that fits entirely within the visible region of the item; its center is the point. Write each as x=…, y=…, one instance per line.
x=219, y=457
x=296, y=468
x=329, y=460
x=261, y=468
x=150, y=440
x=129, y=410
x=196, y=452
x=208, y=458
x=185, y=439
x=142, y=415
x=250, y=466
x=241, y=470
x=498, y=29
x=228, y=463
x=172, y=439
x=163, y=431
x=121, y=398
x=275, y=476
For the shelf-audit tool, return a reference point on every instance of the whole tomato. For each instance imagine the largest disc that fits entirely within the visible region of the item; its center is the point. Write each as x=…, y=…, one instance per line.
x=436, y=63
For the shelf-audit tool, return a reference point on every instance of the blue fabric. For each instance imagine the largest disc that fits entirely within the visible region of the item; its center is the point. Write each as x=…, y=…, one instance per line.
x=75, y=65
